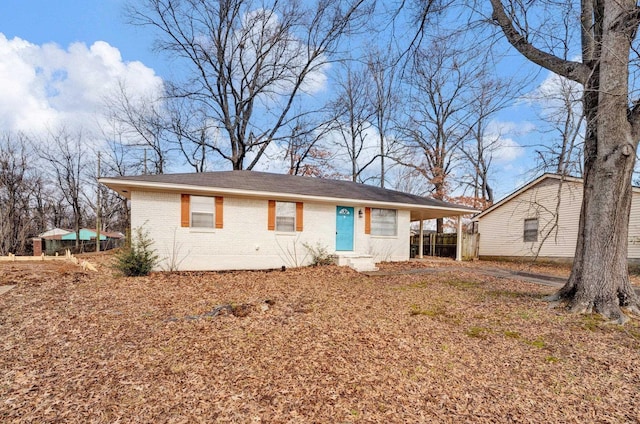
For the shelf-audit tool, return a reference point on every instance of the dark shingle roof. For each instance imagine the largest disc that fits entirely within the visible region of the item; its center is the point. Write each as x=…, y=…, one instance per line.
x=289, y=184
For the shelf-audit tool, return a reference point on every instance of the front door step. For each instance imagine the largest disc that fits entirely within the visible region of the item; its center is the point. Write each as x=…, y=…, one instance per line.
x=360, y=263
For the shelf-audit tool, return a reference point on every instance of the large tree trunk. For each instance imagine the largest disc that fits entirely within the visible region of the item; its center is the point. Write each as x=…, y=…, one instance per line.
x=599, y=280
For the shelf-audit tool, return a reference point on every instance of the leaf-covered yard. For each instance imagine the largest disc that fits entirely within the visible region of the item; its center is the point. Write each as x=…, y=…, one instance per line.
x=310, y=345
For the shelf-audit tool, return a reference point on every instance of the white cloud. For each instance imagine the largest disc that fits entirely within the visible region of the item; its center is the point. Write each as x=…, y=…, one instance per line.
x=507, y=150
x=499, y=139
x=553, y=95
x=47, y=87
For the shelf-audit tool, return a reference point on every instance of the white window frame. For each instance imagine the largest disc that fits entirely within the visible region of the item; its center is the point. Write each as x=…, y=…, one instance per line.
x=285, y=219
x=203, y=205
x=377, y=219
x=530, y=233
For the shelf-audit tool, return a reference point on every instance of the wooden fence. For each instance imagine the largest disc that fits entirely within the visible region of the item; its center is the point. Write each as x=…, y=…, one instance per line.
x=86, y=265
x=444, y=245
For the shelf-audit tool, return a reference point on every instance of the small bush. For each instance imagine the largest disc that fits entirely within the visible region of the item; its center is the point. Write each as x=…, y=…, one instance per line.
x=139, y=258
x=319, y=254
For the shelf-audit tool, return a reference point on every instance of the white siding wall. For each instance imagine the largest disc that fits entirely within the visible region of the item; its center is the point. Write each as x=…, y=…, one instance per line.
x=502, y=230
x=634, y=227
x=244, y=241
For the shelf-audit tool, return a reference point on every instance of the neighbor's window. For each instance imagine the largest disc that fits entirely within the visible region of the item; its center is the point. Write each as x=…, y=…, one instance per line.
x=531, y=229
x=202, y=210
x=384, y=222
x=286, y=216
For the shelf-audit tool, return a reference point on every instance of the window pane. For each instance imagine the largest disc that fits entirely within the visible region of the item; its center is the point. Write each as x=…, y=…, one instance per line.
x=202, y=211
x=285, y=216
x=384, y=222
x=285, y=223
x=202, y=204
x=531, y=229
x=202, y=220
x=286, y=209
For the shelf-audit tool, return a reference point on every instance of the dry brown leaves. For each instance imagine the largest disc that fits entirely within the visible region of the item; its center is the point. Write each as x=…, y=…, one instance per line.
x=333, y=346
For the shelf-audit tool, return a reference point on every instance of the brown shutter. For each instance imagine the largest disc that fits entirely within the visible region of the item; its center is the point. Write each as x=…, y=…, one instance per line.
x=271, y=220
x=299, y=219
x=185, y=199
x=367, y=220
x=219, y=215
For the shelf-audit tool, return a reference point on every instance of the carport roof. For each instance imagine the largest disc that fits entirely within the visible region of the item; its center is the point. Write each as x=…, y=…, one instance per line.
x=286, y=187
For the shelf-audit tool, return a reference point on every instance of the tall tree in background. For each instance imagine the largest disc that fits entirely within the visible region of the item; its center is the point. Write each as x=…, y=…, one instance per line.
x=439, y=114
x=16, y=195
x=305, y=154
x=67, y=164
x=384, y=100
x=142, y=123
x=561, y=103
x=250, y=61
x=599, y=279
x=488, y=96
x=352, y=122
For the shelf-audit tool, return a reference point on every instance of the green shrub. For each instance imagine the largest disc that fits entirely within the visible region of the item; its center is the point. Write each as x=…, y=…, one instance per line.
x=319, y=254
x=139, y=258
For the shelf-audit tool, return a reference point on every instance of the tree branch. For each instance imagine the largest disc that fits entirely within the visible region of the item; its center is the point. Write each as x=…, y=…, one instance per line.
x=575, y=71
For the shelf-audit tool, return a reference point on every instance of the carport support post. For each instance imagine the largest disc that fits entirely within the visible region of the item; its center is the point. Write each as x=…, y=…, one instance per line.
x=459, y=239
x=421, y=238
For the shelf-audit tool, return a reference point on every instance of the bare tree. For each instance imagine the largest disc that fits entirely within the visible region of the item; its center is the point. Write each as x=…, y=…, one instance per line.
x=251, y=62
x=351, y=125
x=142, y=122
x=305, y=154
x=67, y=160
x=561, y=103
x=383, y=100
x=439, y=114
x=16, y=195
x=599, y=279
x=487, y=96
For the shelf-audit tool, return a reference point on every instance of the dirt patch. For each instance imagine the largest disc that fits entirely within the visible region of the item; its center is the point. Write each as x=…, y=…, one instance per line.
x=332, y=346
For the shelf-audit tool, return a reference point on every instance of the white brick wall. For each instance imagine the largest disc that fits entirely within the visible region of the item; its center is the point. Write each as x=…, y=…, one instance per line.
x=244, y=241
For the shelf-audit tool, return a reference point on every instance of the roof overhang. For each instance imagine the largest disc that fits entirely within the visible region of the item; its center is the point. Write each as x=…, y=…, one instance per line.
x=527, y=186
x=418, y=212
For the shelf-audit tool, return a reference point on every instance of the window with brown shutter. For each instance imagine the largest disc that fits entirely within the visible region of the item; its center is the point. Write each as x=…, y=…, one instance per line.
x=286, y=217
x=201, y=211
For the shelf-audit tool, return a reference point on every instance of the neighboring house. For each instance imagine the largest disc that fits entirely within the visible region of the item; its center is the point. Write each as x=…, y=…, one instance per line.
x=256, y=220
x=49, y=241
x=56, y=240
x=540, y=220
x=85, y=235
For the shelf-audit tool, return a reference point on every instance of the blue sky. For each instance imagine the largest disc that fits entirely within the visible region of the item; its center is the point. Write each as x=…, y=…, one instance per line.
x=109, y=47
x=66, y=21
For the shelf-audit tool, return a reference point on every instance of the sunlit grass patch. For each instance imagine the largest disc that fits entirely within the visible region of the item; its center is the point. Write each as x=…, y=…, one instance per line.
x=430, y=311
x=477, y=332
x=552, y=359
x=538, y=342
x=511, y=334
x=592, y=322
x=462, y=284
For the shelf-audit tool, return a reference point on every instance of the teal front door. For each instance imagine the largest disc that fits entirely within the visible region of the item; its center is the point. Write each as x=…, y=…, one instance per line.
x=344, y=228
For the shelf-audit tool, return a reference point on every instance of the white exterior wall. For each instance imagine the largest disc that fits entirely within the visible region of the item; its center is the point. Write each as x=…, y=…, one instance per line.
x=244, y=241
x=502, y=230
